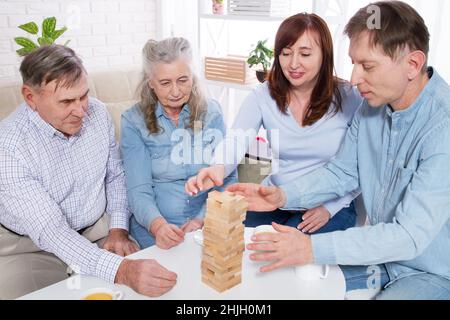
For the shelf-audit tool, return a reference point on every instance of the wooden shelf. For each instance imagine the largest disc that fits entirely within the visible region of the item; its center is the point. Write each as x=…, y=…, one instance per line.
x=239, y=17
x=231, y=85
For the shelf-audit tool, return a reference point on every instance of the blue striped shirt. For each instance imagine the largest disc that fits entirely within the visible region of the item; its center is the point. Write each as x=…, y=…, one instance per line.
x=52, y=186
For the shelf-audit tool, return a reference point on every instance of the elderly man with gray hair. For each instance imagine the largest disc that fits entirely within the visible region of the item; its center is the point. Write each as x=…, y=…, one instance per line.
x=62, y=186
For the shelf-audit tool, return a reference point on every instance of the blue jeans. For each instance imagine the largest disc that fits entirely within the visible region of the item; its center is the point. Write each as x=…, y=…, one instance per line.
x=423, y=286
x=344, y=219
x=140, y=234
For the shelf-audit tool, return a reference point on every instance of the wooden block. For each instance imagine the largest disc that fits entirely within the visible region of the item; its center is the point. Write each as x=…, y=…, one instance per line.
x=221, y=287
x=215, y=232
x=223, y=255
x=224, y=222
x=223, y=264
x=224, y=252
x=223, y=240
x=219, y=273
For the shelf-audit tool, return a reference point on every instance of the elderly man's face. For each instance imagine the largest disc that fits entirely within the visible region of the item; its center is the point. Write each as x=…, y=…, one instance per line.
x=63, y=108
x=380, y=79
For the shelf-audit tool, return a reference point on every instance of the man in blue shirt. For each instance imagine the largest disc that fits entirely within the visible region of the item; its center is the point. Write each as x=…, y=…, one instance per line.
x=397, y=152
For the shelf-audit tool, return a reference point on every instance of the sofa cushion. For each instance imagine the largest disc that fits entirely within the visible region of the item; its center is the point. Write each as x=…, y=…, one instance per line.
x=115, y=110
x=115, y=85
x=10, y=98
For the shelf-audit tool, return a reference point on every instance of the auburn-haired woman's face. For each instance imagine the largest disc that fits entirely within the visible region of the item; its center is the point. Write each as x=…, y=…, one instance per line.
x=302, y=61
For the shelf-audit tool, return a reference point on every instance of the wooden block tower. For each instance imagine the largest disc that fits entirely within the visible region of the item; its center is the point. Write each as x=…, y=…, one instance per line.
x=223, y=240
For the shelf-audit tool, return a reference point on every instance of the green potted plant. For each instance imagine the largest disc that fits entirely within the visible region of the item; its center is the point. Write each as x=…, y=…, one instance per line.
x=261, y=55
x=49, y=34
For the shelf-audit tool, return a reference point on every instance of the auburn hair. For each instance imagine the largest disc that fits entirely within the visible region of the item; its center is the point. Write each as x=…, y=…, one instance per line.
x=325, y=94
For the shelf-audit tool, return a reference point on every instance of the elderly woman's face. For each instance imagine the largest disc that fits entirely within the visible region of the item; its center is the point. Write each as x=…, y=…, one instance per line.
x=172, y=83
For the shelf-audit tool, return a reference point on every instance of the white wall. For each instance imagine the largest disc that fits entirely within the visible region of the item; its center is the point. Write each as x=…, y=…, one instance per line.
x=104, y=33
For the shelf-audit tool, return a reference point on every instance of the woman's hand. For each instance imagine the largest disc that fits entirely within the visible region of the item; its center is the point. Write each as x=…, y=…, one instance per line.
x=166, y=235
x=314, y=219
x=259, y=198
x=192, y=225
x=206, y=179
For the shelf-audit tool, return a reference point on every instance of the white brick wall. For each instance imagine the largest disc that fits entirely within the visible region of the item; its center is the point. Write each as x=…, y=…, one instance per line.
x=104, y=33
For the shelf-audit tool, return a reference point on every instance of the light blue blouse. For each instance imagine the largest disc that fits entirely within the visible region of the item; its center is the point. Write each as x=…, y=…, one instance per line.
x=296, y=150
x=158, y=166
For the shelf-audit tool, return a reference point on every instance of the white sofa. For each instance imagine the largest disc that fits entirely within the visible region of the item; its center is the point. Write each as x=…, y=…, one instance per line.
x=117, y=89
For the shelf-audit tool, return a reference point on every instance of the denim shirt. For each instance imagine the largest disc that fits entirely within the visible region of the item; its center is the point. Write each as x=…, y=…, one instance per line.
x=401, y=161
x=158, y=166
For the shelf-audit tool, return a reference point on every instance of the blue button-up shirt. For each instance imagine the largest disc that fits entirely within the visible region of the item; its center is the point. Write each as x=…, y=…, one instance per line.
x=52, y=186
x=157, y=166
x=401, y=161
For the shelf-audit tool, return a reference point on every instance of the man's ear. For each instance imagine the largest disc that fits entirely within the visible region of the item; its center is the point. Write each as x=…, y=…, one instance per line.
x=30, y=96
x=416, y=61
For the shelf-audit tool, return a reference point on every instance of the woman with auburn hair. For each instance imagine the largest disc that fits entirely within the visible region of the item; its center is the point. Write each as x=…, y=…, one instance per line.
x=306, y=111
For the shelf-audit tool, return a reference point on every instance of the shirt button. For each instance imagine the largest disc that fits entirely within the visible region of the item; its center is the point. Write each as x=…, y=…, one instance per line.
x=382, y=190
x=391, y=161
x=188, y=201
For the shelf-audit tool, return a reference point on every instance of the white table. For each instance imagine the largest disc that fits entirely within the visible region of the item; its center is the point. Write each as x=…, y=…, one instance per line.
x=185, y=261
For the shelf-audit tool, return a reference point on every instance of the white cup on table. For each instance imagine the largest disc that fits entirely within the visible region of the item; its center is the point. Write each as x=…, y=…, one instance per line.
x=102, y=293
x=266, y=228
x=312, y=272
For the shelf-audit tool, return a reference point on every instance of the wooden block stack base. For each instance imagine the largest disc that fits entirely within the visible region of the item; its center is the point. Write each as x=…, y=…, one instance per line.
x=223, y=240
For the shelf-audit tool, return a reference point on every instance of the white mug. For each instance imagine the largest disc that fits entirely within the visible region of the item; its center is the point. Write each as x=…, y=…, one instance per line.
x=102, y=294
x=263, y=229
x=312, y=272
x=198, y=237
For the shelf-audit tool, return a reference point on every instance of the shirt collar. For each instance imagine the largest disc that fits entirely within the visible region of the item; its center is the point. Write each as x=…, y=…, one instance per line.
x=47, y=129
x=40, y=123
x=159, y=112
x=428, y=90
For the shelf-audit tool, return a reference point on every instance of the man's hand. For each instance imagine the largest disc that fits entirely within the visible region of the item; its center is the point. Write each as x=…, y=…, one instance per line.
x=166, y=235
x=206, y=179
x=259, y=198
x=146, y=277
x=192, y=225
x=314, y=219
x=118, y=242
x=288, y=247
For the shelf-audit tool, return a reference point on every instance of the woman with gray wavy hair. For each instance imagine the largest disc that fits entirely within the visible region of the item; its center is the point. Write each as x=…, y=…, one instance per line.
x=166, y=138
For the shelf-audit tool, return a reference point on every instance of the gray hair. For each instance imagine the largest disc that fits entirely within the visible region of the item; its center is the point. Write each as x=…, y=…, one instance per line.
x=168, y=51
x=52, y=62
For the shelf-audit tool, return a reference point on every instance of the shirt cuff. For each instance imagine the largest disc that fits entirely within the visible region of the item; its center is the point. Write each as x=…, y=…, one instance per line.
x=333, y=208
x=293, y=200
x=119, y=221
x=323, y=249
x=107, y=266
